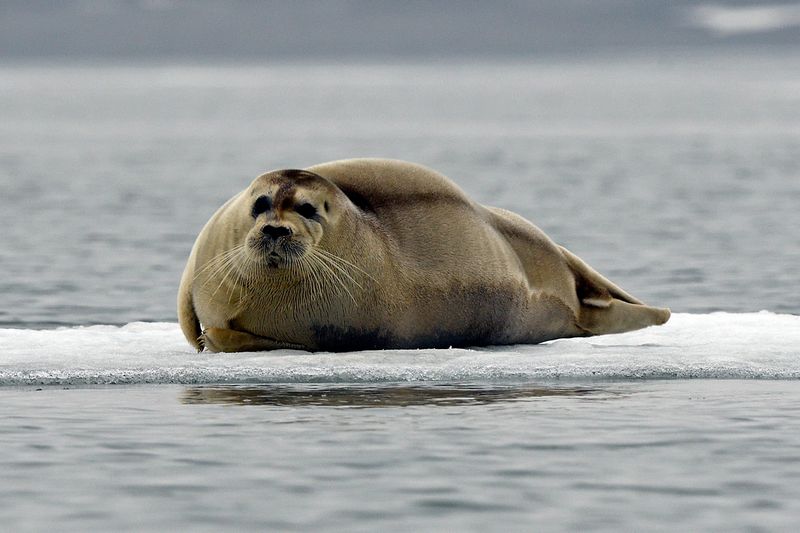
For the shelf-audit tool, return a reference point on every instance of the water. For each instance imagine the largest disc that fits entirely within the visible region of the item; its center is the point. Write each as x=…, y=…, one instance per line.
x=677, y=178
x=636, y=455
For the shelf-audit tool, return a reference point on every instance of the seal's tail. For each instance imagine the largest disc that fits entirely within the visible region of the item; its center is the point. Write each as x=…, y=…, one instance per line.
x=605, y=307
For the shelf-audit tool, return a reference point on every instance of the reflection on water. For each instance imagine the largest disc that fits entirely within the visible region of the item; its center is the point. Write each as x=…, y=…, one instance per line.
x=375, y=396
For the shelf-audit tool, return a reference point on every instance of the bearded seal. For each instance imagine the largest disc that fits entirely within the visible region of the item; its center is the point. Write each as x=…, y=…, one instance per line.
x=373, y=253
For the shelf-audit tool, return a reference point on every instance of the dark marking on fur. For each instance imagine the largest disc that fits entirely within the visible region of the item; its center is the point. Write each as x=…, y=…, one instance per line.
x=297, y=174
x=357, y=199
x=387, y=200
x=425, y=198
x=485, y=313
x=307, y=210
x=284, y=196
x=331, y=338
x=261, y=205
x=586, y=290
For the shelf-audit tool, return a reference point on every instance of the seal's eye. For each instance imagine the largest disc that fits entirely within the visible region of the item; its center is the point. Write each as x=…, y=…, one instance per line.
x=306, y=210
x=262, y=205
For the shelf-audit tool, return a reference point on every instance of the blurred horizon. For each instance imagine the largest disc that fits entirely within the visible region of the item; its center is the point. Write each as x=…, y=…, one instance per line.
x=352, y=29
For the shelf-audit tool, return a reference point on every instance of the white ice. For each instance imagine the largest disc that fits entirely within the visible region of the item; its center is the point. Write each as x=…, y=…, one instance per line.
x=718, y=345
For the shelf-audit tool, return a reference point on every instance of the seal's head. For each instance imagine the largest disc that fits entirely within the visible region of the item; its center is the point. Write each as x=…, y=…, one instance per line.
x=290, y=212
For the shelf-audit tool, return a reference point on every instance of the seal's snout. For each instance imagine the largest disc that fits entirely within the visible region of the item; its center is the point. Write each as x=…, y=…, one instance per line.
x=275, y=232
x=276, y=244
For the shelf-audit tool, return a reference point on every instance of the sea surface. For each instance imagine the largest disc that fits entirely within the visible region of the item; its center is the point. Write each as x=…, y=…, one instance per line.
x=678, y=177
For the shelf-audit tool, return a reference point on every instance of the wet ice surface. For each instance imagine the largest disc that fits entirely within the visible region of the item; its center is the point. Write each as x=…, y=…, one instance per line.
x=719, y=455
x=719, y=345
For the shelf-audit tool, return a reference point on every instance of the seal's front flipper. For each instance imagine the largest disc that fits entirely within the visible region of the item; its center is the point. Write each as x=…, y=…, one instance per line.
x=606, y=308
x=190, y=324
x=231, y=340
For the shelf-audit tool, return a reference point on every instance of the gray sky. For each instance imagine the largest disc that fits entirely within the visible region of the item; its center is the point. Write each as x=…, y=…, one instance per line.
x=265, y=30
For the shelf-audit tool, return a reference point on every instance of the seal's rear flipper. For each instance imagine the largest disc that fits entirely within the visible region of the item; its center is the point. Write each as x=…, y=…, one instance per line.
x=606, y=308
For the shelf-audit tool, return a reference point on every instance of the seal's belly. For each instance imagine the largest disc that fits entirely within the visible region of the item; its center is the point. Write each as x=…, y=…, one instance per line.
x=460, y=316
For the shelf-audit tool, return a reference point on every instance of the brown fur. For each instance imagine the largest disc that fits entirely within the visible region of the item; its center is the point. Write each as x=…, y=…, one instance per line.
x=419, y=265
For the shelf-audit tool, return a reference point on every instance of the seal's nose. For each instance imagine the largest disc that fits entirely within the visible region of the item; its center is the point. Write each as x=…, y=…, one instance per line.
x=276, y=232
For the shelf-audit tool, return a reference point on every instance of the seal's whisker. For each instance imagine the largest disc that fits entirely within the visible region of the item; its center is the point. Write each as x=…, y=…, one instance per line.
x=314, y=285
x=248, y=290
x=221, y=271
x=345, y=261
x=302, y=266
x=219, y=259
x=319, y=281
x=316, y=277
x=229, y=268
x=220, y=264
x=211, y=266
x=340, y=268
x=218, y=268
x=333, y=274
x=323, y=275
